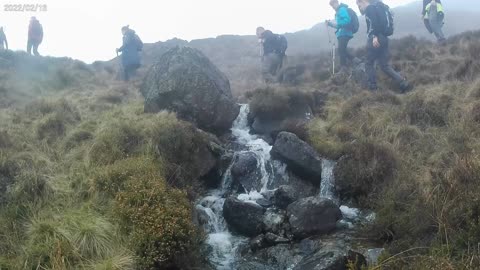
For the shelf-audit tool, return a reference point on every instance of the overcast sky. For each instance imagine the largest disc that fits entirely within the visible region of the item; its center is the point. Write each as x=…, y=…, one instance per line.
x=89, y=30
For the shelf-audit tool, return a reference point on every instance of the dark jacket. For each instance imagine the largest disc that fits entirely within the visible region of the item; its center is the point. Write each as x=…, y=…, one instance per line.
x=270, y=42
x=130, y=51
x=374, y=22
x=425, y=3
x=35, y=32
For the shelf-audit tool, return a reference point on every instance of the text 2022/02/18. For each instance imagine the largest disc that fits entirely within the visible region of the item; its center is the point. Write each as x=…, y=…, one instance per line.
x=25, y=7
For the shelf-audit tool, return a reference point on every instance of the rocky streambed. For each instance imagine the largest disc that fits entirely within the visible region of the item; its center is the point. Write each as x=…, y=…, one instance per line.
x=276, y=208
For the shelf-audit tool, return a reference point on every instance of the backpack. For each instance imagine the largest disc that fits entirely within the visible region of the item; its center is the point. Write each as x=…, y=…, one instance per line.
x=386, y=16
x=138, y=42
x=354, y=24
x=282, y=45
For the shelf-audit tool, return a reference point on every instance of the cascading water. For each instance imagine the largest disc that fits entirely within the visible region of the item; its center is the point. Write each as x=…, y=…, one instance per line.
x=327, y=190
x=327, y=185
x=223, y=243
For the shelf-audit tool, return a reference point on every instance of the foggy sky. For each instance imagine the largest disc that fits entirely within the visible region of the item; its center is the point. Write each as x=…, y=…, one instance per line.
x=90, y=30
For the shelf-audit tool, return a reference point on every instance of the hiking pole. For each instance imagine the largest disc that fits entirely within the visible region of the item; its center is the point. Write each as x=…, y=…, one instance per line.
x=333, y=50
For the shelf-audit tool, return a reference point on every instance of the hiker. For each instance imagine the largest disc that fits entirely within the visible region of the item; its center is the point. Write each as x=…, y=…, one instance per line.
x=346, y=23
x=273, y=55
x=132, y=45
x=35, y=36
x=379, y=28
x=433, y=18
x=3, y=40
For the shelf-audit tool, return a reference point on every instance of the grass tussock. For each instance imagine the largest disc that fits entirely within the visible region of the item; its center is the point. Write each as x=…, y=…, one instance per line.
x=413, y=158
x=270, y=103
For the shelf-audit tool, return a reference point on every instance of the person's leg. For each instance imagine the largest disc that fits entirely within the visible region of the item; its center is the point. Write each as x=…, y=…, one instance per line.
x=342, y=51
x=35, y=49
x=266, y=66
x=370, y=66
x=384, y=58
x=29, y=47
x=437, y=29
x=126, y=73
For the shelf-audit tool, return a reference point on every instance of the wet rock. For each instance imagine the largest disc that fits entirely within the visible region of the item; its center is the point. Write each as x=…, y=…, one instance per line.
x=313, y=216
x=282, y=256
x=300, y=157
x=245, y=218
x=356, y=260
x=273, y=239
x=264, y=202
x=328, y=259
x=271, y=126
x=183, y=80
x=273, y=221
x=284, y=196
x=245, y=172
x=257, y=243
x=249, y=265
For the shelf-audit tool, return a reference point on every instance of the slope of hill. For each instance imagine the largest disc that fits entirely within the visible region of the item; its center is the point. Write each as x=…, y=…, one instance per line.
x=76, y=167
x=238, y=56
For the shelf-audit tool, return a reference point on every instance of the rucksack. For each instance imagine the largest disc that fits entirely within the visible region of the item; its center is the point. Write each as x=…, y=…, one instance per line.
x=282, y=45
x=386, y=16
x=138, y=43
x=354, y=24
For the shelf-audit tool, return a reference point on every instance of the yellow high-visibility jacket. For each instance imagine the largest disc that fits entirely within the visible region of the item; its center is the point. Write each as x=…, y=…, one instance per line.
x=439, y=9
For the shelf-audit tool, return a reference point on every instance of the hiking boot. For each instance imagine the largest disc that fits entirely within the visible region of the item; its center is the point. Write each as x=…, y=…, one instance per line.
x=405, y=86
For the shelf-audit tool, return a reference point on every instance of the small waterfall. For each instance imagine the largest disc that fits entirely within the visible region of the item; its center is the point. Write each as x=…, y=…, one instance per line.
x=327, y=190
x=327, y=185
x=224, y=245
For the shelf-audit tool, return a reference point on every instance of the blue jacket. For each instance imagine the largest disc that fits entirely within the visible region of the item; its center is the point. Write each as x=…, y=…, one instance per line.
x=343, y=20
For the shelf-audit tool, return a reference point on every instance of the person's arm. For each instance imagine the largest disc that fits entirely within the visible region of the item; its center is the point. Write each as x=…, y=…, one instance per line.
x=343, y=18
x=6, y=42
x=424, y=9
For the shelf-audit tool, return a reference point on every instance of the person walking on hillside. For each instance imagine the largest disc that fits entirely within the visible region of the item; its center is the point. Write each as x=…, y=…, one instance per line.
x=346, y=23
x=433, y=18
x=379, y=28
x=3, y=40
x=274, y=48
x=35, y=36
x=130, y=49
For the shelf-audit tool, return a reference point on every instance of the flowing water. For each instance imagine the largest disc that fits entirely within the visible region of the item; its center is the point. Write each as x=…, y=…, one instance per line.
x=223, y=243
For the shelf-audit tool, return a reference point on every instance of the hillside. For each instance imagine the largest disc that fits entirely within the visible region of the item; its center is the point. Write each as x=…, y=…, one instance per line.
x=87, y=180
x=238, y=56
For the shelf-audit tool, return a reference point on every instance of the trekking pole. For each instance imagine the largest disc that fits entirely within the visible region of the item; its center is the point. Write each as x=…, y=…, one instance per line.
x=333, y=50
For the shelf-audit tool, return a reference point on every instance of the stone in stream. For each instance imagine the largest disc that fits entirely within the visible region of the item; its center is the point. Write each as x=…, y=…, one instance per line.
x=313, y=216
x=300, y=157
x=273, y=221
x=245, y=173
x=245, y=218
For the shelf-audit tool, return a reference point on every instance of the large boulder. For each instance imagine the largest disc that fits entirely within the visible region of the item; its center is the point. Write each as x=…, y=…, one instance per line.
x=245, y=173
x=313, y=216
x=183, y=80
x=245, y=218
x=300, y=157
